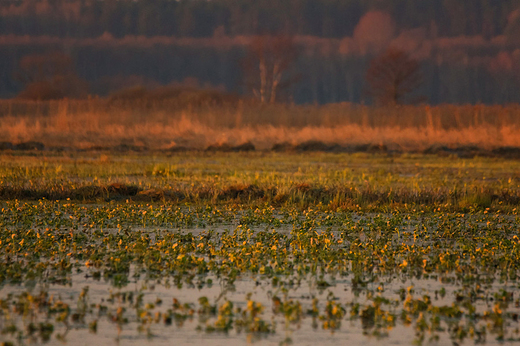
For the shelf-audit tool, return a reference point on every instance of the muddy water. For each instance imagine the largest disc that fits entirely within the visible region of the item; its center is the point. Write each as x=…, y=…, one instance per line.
x=309, y=331
x=306, y=332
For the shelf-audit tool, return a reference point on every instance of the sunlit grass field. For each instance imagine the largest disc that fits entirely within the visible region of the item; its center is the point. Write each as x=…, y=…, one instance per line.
x=360, y=181
x=259, y=247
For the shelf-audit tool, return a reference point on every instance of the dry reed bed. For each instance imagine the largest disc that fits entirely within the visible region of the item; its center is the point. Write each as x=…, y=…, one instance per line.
x=162, y=125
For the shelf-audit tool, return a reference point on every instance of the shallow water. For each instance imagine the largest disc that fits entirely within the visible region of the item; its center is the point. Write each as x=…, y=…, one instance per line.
x=303, y=333
x=445, y=289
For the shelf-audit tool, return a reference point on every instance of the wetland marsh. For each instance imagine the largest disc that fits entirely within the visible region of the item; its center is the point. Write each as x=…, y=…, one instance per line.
x=274, y=248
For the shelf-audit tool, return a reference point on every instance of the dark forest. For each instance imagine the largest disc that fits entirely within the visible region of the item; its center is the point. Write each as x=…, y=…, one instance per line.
x=468, y=50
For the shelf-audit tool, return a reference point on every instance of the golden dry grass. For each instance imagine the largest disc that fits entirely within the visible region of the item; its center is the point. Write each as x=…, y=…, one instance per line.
x=161, y=125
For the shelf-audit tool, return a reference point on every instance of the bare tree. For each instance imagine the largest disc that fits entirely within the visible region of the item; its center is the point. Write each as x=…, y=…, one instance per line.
x=267, y=66
x=392, y=76
x=49, y=76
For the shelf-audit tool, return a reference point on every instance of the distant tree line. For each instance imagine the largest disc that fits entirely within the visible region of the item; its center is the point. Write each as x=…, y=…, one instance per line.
x=320, y=78
x=204, y=18
x=302, y=51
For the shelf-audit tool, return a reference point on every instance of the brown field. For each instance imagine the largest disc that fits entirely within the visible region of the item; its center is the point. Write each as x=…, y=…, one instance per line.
x=199, y=123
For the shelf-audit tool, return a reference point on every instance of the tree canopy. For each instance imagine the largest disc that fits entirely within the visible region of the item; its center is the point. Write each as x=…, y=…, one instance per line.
x=201, y=18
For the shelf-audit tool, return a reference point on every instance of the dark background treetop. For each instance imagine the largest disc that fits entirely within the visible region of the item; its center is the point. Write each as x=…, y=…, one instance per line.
x=201, y=18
